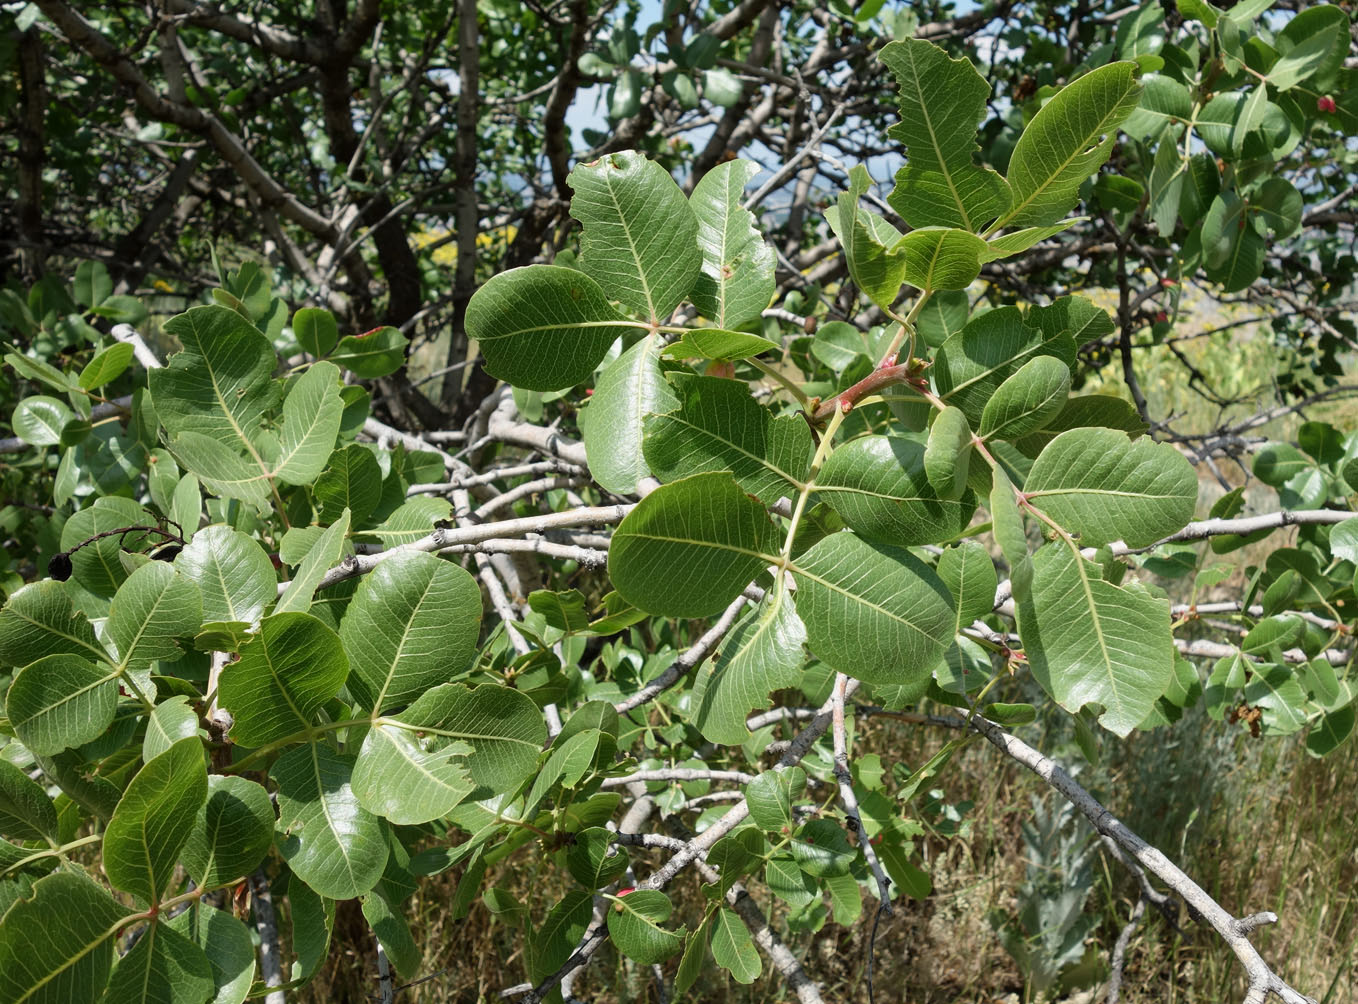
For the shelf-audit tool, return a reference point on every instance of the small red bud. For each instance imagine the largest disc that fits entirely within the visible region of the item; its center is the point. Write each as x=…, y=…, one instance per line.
x=626, y=889
x=1161, y=317
x=589, y=392
x=1168, y=283
x=1325, y=104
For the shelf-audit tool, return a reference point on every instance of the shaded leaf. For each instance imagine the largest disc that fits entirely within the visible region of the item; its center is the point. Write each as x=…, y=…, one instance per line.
x=330, y=842
x=1089, y=641
x=879, y=486
x=413, y=623
x=56, y=945
x=231, y=833
x=715, y=425
x=689, y=547
x=282, y=679
x=873, y=611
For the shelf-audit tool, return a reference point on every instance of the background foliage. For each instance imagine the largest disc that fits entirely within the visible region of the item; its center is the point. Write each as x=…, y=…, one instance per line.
x=267, y=270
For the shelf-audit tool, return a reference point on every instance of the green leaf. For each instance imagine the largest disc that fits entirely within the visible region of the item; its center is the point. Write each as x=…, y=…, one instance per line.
x=969, y=574
x=640, y=238
x=92, y=285
x=770, y=797
x=1098, y=410
x=1089, y=641
x=870, y=243
x=879, y=487
x=415, y=519
x=1164, y=102
x=39, y=370
x=628, y=390
x=1021, y=240
x=413, y=623
x=56, y=945
x=282, y=679
x=947, y=458
x=60, y=701
x=171, y=721
x=233, y=573
x=694, y=958
x=736, y=282
x=38, y=420
x=226, y=943
x=163, y=967
x=316, y=330
x=1198, y=10
x=543, y=327
x=26, y=813
x=733, y=948
x=99, y=566
x=972, y=364
x=389, y=924
x=689, y=547
x=313, y=920
x=941, y=101
x=373, y=354
x=220, y=385
x=1344, y=540
x=942, y=258
x=151, y=610
x=503, y=727
x=873, y=611
x=634, y=925
x=352, y=480
x=717, y=426
x=761, y=654
x=222, y=470
x=154, y=819
x=397, y=778
x=593, y=860
x=846, y=899
x=564, y=610
x=1277, y=463
x=1312, y=44
x=106, y=367
x=324, y=553
x=1105, y=487
x=560, y=931
x=231, y=832
x=789, y=883
x=1066, y=142
x=311, y=421
x=38, y=620
x=717, y=344
x=1027, y=400
x=328, y=839
x=821, y=849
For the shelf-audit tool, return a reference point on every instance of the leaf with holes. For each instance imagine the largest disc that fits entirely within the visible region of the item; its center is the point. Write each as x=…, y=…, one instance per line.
x=640, y=237
x=736, y=281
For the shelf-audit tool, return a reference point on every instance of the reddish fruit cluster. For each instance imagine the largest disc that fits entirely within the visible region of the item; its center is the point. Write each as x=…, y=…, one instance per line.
x=1325, y=104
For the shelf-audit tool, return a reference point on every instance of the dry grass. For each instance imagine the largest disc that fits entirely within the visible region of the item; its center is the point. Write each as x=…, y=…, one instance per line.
x=1258, y=823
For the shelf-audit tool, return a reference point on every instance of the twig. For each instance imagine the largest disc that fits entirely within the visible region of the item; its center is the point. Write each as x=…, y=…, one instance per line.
x=1262, y=980
x=266, y=923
